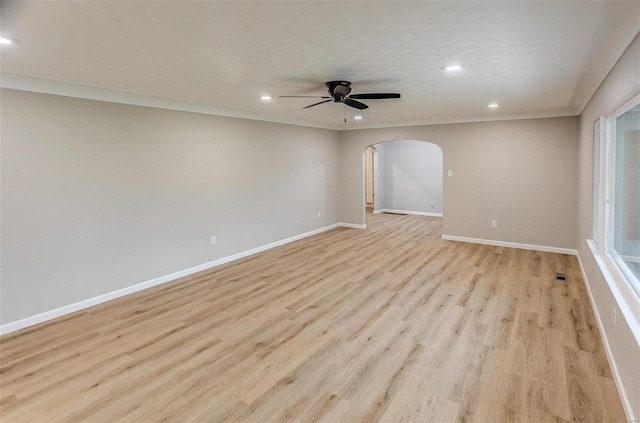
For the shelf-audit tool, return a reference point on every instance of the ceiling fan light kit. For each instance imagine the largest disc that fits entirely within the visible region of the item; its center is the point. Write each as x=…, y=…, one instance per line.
x=339, y=93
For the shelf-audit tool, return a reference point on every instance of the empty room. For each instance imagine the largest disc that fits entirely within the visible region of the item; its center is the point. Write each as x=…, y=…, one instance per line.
x=319, y=211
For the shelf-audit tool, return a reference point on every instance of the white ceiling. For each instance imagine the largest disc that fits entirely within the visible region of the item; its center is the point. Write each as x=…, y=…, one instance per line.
x=534, y=58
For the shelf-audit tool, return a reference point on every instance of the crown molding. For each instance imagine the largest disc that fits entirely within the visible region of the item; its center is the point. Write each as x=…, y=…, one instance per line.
x=472, y=119
x=36, y=84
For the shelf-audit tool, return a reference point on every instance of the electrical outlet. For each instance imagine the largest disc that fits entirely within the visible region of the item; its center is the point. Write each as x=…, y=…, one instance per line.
x=494, y=223
x=318, y=213
x=213, y=240
x=450, y=173
x=433, y=205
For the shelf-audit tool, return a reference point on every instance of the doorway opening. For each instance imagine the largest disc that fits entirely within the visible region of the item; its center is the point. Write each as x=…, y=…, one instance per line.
x=370, y=158
x=403, y=177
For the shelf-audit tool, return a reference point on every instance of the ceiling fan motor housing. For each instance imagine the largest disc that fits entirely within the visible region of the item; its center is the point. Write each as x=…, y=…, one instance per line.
x=338, y=90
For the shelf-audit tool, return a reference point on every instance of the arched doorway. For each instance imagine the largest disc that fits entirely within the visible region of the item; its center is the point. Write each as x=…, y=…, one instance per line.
x=403, y=177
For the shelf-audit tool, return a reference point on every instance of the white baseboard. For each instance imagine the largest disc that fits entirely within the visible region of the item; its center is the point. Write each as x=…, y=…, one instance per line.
x=352, y=225
x=418, y=213
x=71, y=308
x=626, y=405
x=511, y=244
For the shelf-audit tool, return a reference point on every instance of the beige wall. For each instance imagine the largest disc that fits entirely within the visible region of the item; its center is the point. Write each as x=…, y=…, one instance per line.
x=519, y=172
x=622, y=338
x=100, y=196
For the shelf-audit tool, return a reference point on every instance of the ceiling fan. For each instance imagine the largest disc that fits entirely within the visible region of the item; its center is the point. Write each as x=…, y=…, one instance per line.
x=339, y=93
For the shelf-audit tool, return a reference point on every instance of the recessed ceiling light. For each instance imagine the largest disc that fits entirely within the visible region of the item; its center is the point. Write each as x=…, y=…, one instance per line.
x=493, y=105
x=5, y=40
x=358, y=117
x=266, y=98
x=451, y=68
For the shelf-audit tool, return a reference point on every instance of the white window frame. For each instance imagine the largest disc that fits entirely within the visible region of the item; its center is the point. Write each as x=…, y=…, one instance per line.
x=604, y=211
x=599, y=198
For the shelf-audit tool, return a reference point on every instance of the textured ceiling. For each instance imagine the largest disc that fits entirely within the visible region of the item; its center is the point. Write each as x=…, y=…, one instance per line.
x=534, y=58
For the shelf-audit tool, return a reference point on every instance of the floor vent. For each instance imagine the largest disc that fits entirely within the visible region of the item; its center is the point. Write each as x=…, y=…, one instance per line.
x=561, y=277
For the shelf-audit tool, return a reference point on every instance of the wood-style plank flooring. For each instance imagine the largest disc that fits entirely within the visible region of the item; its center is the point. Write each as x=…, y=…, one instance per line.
x=387, y=324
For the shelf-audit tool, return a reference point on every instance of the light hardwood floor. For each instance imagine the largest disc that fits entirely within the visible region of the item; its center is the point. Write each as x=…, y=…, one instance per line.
x=387, y=324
